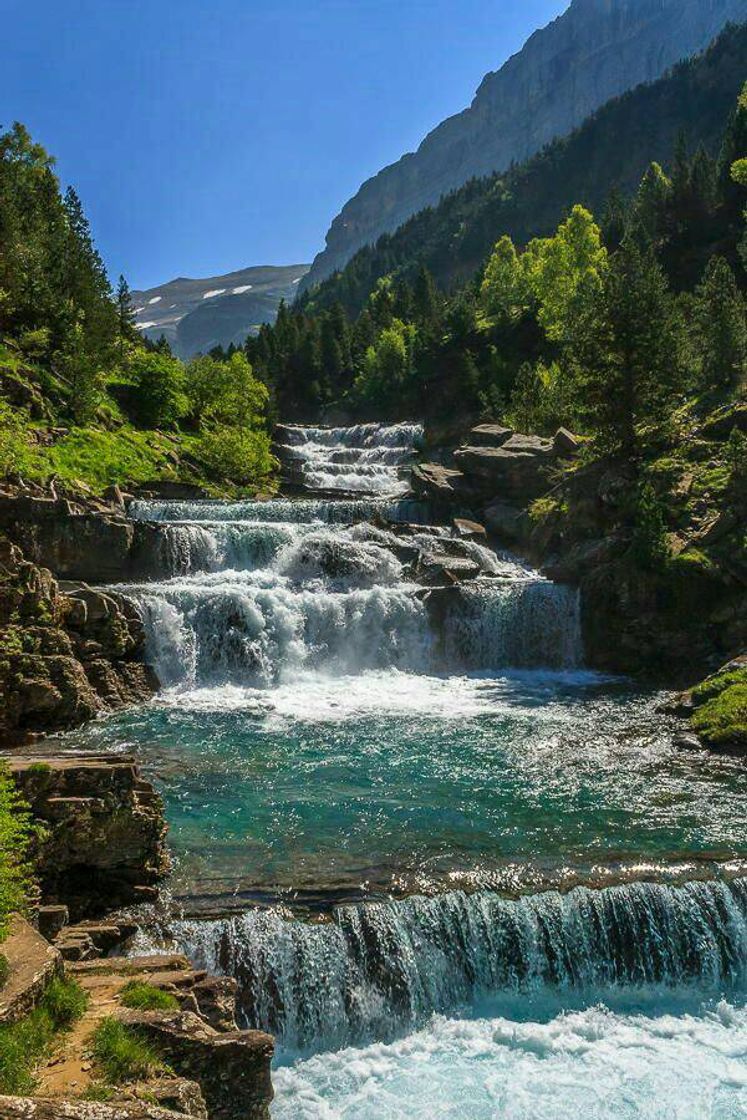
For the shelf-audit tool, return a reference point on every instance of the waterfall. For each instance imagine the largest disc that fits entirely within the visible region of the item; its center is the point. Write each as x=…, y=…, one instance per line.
x=379, y=969
x=365, y=458
x=257, y=591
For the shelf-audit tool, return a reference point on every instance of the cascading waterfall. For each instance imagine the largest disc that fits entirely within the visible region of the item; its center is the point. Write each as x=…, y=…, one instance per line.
x=367, y=458
x=262, y=590
x=380, y=969
x=289, y=635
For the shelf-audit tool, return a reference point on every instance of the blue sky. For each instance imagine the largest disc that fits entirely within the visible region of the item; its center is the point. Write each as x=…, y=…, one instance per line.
x=207, y=135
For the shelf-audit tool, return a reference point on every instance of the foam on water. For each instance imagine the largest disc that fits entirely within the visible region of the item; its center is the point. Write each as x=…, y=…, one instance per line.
x=590, y=1064
x=365, y=458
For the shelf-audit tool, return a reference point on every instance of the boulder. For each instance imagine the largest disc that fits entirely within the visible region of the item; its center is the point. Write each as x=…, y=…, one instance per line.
x=514, y=471
x=437, y=569
x=52, y=919
x=469, y=530
x=490, y=435
x=565, y=444
x=232, y=1069
x=32, y=965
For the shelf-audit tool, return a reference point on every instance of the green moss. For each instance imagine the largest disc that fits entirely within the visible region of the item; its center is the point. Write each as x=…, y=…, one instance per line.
x=121, y=1054
x=721, y=715
x=147, y=997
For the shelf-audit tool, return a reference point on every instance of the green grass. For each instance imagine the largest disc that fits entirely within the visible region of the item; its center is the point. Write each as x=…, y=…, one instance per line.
x=65, y=1001
x=147, y=997
x=25, y=1044
x=121, y=1054
x=721, y=716
x=98, y=1091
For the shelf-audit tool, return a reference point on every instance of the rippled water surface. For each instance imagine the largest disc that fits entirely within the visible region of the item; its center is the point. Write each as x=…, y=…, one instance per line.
x=524, y=901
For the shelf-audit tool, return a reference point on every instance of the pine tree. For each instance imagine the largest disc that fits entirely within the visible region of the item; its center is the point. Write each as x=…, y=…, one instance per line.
x=125, y=315
x=720, y=327
x=627, y=348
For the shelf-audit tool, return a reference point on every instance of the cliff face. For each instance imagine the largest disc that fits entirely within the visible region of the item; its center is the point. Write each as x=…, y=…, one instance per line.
x=597, y=50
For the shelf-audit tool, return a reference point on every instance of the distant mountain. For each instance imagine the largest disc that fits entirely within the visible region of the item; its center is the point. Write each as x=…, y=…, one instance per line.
x=195, y=315
x=595, y=51
x=611, y=150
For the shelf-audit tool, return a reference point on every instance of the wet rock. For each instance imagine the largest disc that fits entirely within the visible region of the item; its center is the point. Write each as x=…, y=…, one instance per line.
x=469, y=530
x=232, y=1069
x=432, y=481
x=440, y=569
x=216, y=1001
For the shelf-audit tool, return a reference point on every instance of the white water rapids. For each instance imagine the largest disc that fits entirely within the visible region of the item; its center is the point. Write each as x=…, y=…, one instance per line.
x=295, y=626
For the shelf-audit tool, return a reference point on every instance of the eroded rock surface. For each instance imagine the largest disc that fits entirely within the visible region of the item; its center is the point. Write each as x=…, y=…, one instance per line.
x=105, y=838
x=64, y=655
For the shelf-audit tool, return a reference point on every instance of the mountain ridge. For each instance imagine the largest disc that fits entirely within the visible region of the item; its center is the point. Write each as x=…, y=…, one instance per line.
x=238, y=303
x=593, y=52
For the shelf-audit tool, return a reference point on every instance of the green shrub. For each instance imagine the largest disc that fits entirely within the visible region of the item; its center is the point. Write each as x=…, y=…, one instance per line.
x=239, y=456
x=147, y=997
x=39, y=768
x=16, y=830
x=121, y=1054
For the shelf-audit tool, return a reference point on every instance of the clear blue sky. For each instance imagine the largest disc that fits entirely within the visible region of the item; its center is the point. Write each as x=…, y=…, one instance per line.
x=207, y=135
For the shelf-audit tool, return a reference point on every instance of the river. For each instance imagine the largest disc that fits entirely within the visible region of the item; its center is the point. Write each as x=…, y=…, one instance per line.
x=456, y=873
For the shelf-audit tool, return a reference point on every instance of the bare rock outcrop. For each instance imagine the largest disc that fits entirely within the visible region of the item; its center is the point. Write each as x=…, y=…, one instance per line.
x=104, y=845
x=232, y=1068
x=64, y=655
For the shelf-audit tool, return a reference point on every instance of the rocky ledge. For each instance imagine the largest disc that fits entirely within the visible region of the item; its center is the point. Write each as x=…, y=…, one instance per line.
x=104, y=839
x=678, y=618
x=64, y=655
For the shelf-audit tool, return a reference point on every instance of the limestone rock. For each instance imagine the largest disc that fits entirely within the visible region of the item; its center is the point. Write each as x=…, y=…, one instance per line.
x=108, y=839
x=39, y=1108
x=489, y=435
x=68, y=654
x=32, y=965
x=469, y=530
x=232, y=1069
x=177, y=1094
x=435, y=482
x=595, y=51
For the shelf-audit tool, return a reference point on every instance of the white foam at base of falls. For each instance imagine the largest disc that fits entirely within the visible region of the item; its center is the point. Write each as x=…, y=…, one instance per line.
x=590, y=1064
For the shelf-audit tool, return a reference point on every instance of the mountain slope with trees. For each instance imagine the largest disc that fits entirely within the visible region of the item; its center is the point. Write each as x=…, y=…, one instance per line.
x=609, y=152
x=596, y=50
